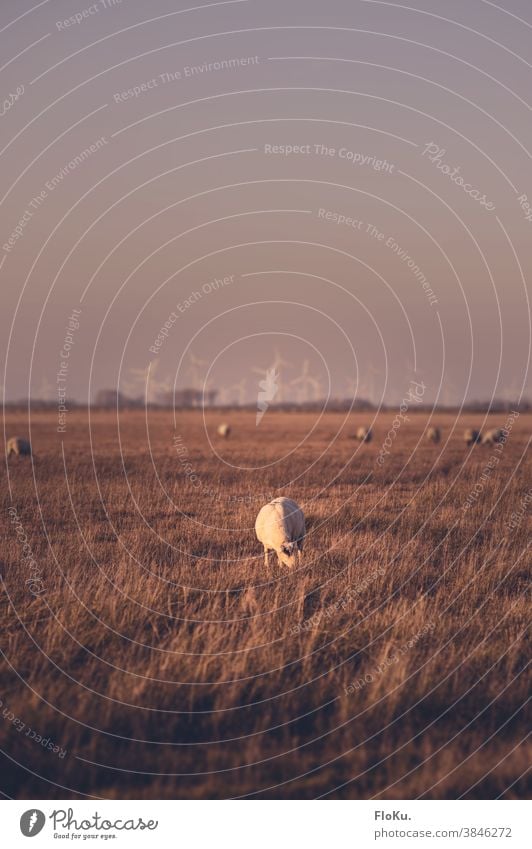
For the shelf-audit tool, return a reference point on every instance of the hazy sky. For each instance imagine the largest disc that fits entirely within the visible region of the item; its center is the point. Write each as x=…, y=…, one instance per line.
x=355, y=175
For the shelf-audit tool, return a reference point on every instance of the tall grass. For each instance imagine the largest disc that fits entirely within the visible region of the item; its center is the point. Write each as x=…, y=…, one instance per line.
x=169, y=663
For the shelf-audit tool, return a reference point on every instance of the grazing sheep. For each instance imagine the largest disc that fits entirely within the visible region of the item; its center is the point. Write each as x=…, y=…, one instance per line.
x=17, y=445
x=433, y=434
x=280, y=527
x=492, y=437
x=224, y=430
x=364, y=434
x=471, y=436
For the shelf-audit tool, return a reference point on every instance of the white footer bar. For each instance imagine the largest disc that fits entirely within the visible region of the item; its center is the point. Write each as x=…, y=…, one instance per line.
x=268, y=824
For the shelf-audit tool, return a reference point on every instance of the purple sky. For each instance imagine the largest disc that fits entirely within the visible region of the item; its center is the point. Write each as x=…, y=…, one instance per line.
x=352, y=174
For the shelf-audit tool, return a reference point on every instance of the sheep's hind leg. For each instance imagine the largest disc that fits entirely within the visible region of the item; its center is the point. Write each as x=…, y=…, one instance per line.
x=266, y=557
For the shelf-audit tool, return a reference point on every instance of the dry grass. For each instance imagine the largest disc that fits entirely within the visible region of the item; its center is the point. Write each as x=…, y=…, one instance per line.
x=167, y=663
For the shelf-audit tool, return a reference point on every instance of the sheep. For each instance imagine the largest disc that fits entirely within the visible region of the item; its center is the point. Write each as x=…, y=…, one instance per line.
x=364, y=434
x=492, y=437
x=433, y=434
x=17, y=445
x=280, y=527
x=224, y=430
x=472, y=436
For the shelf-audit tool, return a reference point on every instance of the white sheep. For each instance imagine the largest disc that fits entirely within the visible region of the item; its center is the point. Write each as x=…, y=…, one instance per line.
x=224, y=430
x=280, y=527
x=17, y=445
x=433, y=434
x=472, y=436
x=364, y=434
x=493, y=436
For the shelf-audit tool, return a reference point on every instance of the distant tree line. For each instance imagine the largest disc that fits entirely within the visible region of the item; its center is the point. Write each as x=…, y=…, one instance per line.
x=188, y=398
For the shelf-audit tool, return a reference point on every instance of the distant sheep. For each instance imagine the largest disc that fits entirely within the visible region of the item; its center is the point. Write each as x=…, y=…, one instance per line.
x=433, y=434
x=224, y=430
x=20, y=447
x=364, y=434
x=471, y=436
x=492, y=437
x=280, y=527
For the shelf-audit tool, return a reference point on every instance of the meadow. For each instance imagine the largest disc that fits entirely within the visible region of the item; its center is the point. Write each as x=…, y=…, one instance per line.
x=143, y=636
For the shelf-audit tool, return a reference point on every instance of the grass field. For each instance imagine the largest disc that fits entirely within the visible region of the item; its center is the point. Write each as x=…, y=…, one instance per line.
x=143, y=636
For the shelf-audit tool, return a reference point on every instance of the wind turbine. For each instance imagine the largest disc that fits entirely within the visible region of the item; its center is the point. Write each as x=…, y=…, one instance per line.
x=366, y=382
x=224, y=396
x=274, y=368
x=511, y=394
x=352, y=386
x=158, y=390
x=279, y=363
x=372, y=374
x=304, y=382
x=316, y=385
x=241, y=389
x=137, y=379
x=208, y=392
x=447, y=392
x=46, y=390
x=144, y=378
x=194, y=369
